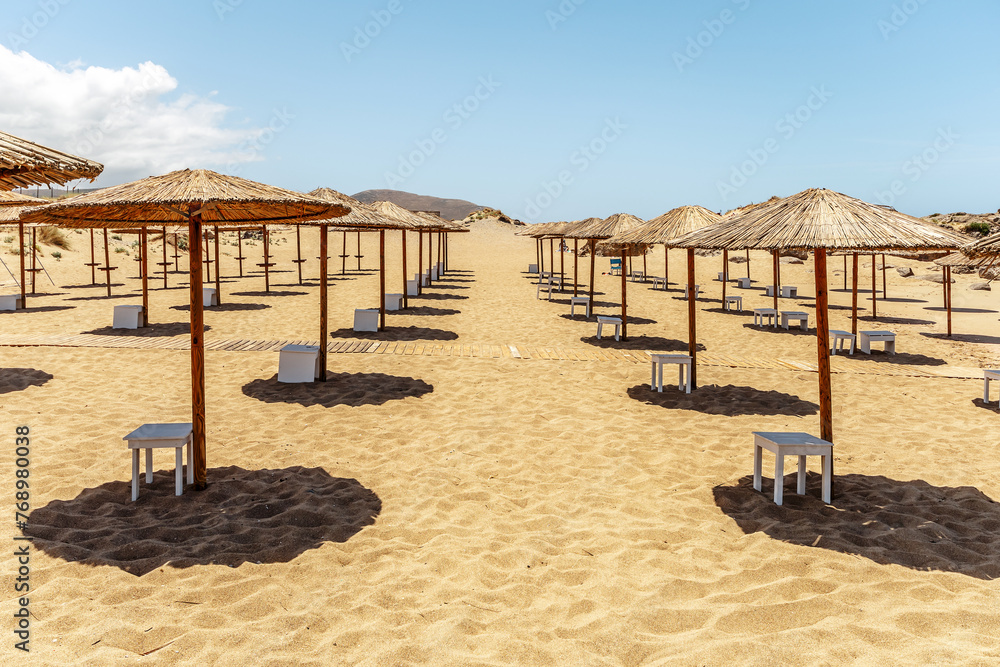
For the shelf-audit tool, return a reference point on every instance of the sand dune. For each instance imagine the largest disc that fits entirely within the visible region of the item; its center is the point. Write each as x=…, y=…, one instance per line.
x=428, y=506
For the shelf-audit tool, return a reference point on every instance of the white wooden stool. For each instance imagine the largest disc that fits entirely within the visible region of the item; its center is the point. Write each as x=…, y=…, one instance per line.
x=687, y=292
x=298, y=363
x=638, y=276
x=11, y=302
x=393, y=301
x=723, y=277
x=426, y=278
x=575, y=301
x=987, y=376
x=866, y=338
x=532, y=268
x=839, y=339
x=769, y=290
x=683, y=362
x=544, y=287
x=412, y=288
x=440, y=268
x=658, y=282
x=744, y=283
x=616, y=321
x=760, y=314
x=156, y=436
x=788, y=316
x=209, y=297
x=366, y=319
x=789, y=291
x=733, y=301
x=792, y=444
x=434, y=273
x=128, y=317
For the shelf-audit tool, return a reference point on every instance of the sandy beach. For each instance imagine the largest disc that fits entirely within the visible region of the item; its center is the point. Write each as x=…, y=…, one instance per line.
x=486, y=483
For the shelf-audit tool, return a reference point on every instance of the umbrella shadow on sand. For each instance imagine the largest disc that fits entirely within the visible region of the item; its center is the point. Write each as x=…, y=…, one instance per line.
x=245, y=516
x=271, y=293
x=655, y=343
x=41, y=309
x=726, y=400
x=891, y=522
x=350, y=389
x=226, y=307
x=19, y=379
x=165, y=330
x=430, y=311
x=396, y=334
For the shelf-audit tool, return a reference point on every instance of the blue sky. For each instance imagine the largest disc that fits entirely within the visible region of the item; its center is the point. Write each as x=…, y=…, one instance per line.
x=548, y=110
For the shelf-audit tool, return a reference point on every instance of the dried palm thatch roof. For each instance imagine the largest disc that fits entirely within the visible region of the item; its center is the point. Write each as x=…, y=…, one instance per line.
x=401, y=218
x=961, y=260
x=670, y=225
x=539, y=230
x=361, y=215
x=171, y=198
x=989, y=246
x=27, y=164
x=572, y=229
x=749, y=207
x=619, y=223
x=440, y=224
x=12, y=203
x=822, y=219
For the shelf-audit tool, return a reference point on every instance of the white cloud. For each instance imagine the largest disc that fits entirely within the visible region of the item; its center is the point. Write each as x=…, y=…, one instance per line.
x=129, y=119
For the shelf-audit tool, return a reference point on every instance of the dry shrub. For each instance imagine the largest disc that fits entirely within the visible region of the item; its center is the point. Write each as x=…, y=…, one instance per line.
x=52, y=236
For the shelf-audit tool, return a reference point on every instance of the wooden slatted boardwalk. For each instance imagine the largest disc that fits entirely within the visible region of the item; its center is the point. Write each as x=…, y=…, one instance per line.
x=841, y=364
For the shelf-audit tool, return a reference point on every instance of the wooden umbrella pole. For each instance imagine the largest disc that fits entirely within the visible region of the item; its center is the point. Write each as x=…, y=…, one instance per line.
x=552, y=255
x=381, y=278
x=540, y=254
x=34, y=258
x=218, y=270
x=874, y=290
x=324, y=324
x=885, y=287
x=197, y=352
x=239, y=247
x=267, y=258
x=430, y=257
x=725, y=275
x=358, y=256
x=748, y=265
x=854, y=296
x=208, y=260
x=93, y=262
x=947, y=282
x=420, y=262
x=343, y=257
x=776, y=286
x=593, y=259
x=562, y=266
x=20, y=231
x=107, y=262
x=298, y=251
x=666, y=268
x=144, y=264
x=645, y=272
x=624, y=302
x=165, y=264
x=823, y=348
x=406, y=291
x=845, y=272
x=692, y=321
x=576, y=266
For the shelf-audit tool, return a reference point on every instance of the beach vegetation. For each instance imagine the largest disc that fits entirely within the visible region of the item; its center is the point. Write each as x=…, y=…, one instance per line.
x=52, y=236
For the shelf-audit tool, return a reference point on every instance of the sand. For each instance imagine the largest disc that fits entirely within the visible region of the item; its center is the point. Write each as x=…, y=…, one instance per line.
x=491, y=485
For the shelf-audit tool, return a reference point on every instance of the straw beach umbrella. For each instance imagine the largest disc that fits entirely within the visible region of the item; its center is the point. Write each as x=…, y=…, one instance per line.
x=569, y=232
x=26, y=164
x=817, y=221
x=617, y=224
x=195, y=197
x=987, y=247
x=11, y=205
x=396, y=217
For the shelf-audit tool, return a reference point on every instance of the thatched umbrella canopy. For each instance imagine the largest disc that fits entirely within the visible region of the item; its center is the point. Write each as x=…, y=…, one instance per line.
x=669, y=226
x=987, y=247
x=196, y=197
x=820, y=220
x=26, y=164
x=612, y=226
x=11, y=205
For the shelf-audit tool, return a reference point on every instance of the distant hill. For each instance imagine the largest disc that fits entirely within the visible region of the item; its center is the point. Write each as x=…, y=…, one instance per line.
x=450, y=209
